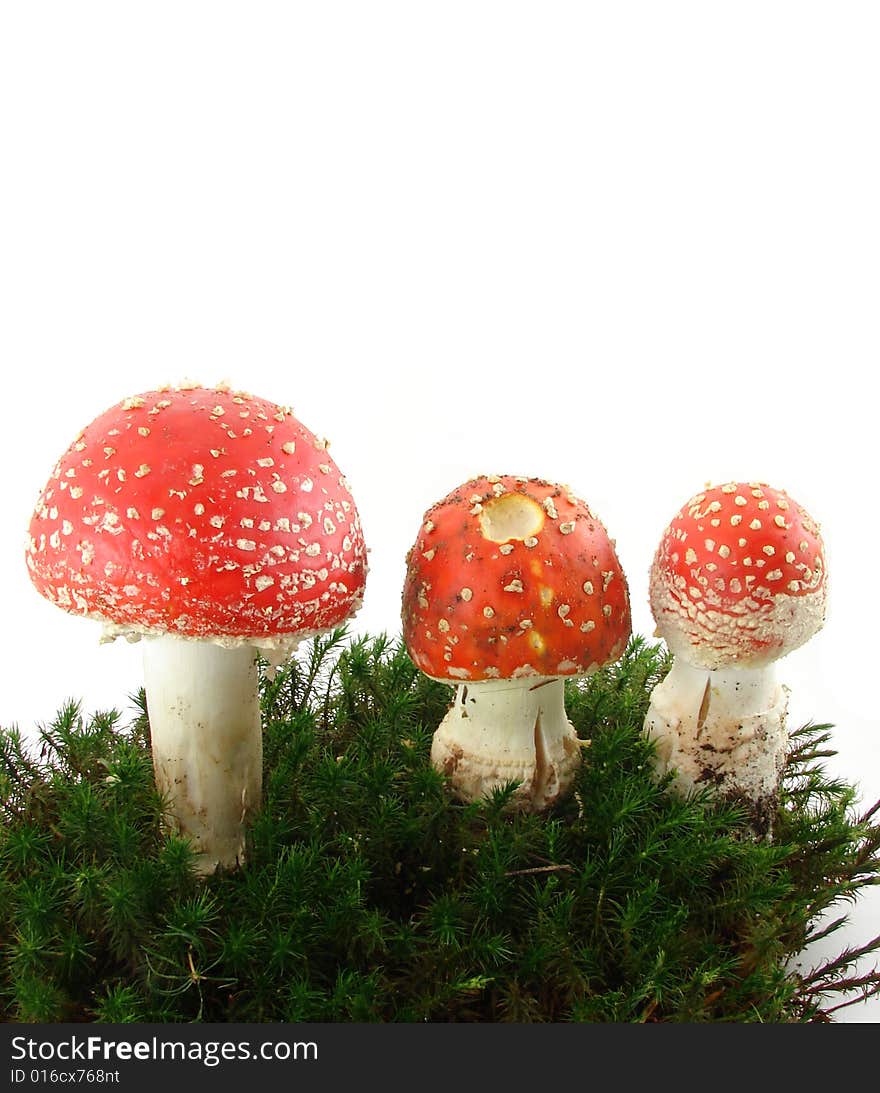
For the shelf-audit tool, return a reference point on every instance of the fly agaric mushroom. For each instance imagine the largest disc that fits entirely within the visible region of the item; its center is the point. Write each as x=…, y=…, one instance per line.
x=737, y=582
x=212, y=524
x=512, y=586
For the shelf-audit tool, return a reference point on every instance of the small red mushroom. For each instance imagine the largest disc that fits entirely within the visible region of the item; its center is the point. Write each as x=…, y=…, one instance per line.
x=738, y=581
x=512, y=585
x=211, y=523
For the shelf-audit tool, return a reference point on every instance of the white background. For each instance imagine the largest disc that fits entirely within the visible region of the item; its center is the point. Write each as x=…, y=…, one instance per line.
x=632, y=247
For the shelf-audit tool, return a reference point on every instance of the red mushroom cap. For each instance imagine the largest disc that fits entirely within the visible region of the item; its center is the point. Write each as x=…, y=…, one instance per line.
x=513, y=577
x=200, y=512
x=738, y=579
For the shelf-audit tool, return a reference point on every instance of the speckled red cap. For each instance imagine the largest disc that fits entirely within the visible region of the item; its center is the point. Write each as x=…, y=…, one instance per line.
x=513, y=577
x=201, y=512
x=739, y=578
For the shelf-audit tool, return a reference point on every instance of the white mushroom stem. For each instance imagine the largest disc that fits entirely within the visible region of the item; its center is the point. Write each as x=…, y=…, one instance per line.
x=499, y=731
x=725, y=728
x=204, y=710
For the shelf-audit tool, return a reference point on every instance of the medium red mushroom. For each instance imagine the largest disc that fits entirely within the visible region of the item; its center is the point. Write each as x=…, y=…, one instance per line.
x=512, y=586
x=737, y=582
x=212, y=524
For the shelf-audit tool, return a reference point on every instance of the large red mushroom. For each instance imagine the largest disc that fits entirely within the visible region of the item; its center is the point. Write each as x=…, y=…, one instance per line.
x=512, y=586
x=212, y=524
x=738, y=581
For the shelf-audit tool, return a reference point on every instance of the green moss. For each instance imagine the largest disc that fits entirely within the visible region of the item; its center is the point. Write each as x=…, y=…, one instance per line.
x=370, y=896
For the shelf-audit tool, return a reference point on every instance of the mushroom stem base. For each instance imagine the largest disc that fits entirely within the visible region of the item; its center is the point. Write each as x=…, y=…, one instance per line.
x=204, y=711
x=500, y=731
x=724, y=728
